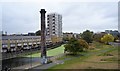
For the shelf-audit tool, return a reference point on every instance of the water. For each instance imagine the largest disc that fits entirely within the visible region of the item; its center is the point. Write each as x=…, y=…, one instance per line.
x=19, y=61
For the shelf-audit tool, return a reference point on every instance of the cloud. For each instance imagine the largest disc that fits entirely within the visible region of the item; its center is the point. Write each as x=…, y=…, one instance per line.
x=94, y=16
x=59, y=1
x=77, y=16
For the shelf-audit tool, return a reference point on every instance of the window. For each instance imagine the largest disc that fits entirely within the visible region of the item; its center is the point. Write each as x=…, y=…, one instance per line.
x=53, y=19
x=53, y=22
x=53, y=32
x=54, y=26
x=53, y=15
x=48, y=28
x=54, y=29
x=4, y=45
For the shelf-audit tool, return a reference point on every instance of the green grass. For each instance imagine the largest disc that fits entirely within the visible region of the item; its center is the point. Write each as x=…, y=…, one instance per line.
x=56, y=51
x=52, y=52
x=107, y=52
x=111, y=59
x=103, y=49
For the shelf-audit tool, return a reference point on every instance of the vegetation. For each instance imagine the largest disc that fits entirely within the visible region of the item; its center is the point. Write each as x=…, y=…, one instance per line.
x=38, y=33
x=65, y=39
x=97, y=37
x=107, y=38
x=56, y=39
x=91, y=59
x=74, y=46
x=83, y=44
x=116, y=37
x=87, y=36
x=52, y=52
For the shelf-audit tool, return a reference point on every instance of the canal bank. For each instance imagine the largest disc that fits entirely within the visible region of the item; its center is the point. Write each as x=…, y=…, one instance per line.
x=30, y=61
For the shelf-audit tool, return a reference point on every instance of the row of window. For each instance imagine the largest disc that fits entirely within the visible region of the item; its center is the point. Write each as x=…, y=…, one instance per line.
x=52, y=16
x=21, y=40
x=53, y=21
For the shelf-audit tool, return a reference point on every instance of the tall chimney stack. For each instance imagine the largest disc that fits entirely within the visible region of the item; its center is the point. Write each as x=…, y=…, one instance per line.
x=43, y=37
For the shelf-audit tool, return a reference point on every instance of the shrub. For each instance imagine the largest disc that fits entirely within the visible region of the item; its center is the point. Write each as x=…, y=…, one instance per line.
x=75, y=46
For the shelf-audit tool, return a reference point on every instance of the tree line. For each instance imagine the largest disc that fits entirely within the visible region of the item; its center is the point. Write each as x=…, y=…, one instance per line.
x=75, y=45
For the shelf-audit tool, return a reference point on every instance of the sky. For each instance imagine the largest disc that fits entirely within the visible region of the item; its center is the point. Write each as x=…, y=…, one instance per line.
x=23, y=16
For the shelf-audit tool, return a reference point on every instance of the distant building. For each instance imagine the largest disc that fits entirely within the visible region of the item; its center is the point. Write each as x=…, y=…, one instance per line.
x=54, y=24
x=114, y=33
x=54, y=27
x=31, y=34
x=4, y=33
x=68, y=35
x=98, y=36
x=76, y=35
x=15, y=42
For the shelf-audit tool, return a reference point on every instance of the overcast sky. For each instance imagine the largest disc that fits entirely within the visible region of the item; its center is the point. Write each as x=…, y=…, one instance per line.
x=23, y=17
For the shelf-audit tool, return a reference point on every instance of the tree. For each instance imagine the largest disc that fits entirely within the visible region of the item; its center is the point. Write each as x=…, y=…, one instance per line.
x=55, y=39
x=97, y=37
x=65, y=39
x=73, y=46
x=87, y=36
x=83, y=44
x=107, y=38
x=38, y=33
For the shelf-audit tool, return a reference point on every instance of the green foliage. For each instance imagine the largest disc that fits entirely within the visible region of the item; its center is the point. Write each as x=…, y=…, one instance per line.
x=97, y=37
x=75, y=45
x=87, y=36
x=65, y=39
x=83, y=44
x=107, y=38
x=116, y=37
x=38, y=33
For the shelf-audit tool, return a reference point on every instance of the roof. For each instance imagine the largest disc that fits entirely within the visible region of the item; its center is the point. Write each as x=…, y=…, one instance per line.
x=20, y=37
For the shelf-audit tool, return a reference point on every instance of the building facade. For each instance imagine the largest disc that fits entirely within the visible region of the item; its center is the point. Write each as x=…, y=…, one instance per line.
x=68, y=35
x=54, y=26
x=115, y=33
x=15, y=43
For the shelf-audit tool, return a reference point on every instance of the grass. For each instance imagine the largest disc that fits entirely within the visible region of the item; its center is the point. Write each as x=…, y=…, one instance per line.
x=52, y=52
x=79, y=62
x=111, y=59
x=56, y=51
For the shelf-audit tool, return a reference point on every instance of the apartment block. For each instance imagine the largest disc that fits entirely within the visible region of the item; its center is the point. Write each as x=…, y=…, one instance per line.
x=54, y=24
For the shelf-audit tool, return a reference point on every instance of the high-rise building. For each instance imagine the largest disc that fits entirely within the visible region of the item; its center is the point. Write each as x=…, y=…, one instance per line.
x=54, y=24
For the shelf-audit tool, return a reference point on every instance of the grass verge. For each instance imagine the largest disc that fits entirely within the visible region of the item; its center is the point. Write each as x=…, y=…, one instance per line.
x=52, y=52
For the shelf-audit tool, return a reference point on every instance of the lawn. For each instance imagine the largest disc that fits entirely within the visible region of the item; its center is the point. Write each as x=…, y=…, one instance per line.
x=52, y=52
x=92, y=59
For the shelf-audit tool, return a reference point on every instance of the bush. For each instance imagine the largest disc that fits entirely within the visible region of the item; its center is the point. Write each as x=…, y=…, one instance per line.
x=87, y=36
x=107, y=38
x=83, y=44
x=74, y=46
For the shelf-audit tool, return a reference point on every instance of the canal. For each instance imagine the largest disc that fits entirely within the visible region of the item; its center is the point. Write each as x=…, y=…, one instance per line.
x=19, y=61
x=29, y=59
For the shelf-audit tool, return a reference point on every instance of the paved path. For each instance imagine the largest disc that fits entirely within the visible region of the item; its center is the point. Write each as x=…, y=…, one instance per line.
x=28, y=66
x=46, y=66
x=114, y=43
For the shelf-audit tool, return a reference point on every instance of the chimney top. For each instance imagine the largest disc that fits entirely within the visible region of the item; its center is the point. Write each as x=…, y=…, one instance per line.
x=42, y=11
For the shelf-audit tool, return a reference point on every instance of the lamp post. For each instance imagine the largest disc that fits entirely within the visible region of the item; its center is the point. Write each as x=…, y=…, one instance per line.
x=43, y=37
